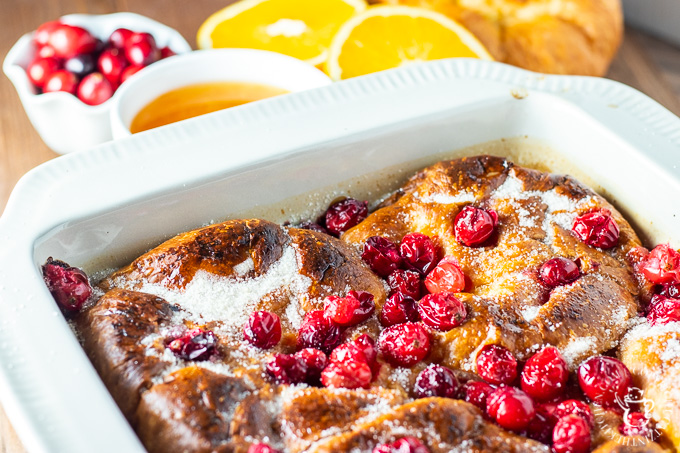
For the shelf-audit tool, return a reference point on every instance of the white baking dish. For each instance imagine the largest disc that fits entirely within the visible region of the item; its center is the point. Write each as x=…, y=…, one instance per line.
x=100, y=208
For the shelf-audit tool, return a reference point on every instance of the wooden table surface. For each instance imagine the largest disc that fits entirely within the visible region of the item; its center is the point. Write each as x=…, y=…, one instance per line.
x=645, y=63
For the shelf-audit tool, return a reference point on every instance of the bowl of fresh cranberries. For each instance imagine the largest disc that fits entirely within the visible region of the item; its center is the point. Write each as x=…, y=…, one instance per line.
x=67, y=70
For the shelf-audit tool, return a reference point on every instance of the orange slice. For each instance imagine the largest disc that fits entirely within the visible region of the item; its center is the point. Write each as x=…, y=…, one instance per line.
x=387, y=37
x=299, y=28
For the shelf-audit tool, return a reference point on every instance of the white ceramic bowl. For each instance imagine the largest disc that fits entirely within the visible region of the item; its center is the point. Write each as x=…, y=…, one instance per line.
x=204, y=66
x=65, y=123
x=296, y=152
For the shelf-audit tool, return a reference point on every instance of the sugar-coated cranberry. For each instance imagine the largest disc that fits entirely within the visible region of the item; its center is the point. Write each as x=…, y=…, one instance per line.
x=496, y=365
x=511, y=408
x=663, y=310
x=111, y=64
x=315, y=361
x=382, y=255
x=419, y=252
x=559, y=271
x=571, y=435
x=350, y=374
x=304, y=225
x=262, y=448
x=167, y=52
x=442, y=311
x=141, y=49
x=597, y=229
x=263, y=329
x=119, y=37
x=355, y=307
x=605, y=380
x=368, y=347
x=348, y=352
x=398, y=309
x=319, y=332
x=636, y=424
x=287, y=369
x=404, y=345
x=474, y=226
x=41, y=69
x=403, y=445
x=575, y=407
x=446, y=276
x=541, y=427
x=477, y=393
x=68, y=41
x=343, y=215
x=94, y=89
x=81, y=65
x=69, y=286
x=61, y=80
x=406, y=282
x=545, y=375
x=436, y=380
x=662, y=265
x=197, y=344
x=42, y=34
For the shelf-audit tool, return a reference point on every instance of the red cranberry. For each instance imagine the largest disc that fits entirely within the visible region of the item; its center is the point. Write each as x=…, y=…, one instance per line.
x=403, y=445
x=167, y=52
x=350, y=374
x=477, y=393
x=663, y=310
x=345, y=214
x=436, y=380
x=575, y=407
x=404, y=345
x=355, y=307
x=474, y=226
x=511, y=408
x=263, y=329
x=406, y=282
x=368, y=347
x=69, y=285
x=287, y=369
x=197, y=344
x=305, y=225
x=111, y=64
x=419, y=252
x=46, y=52
x=559, y=271
x=129, y=72
x=68, y=41
x=398, y=309
x=120, y=37
x=605, y=380
x=61, y=80
x=94, y=89
x=545, y=375
x=315, y=361
x=597, y=229
x=541, y=427
x=446, y=276
x=571, y=435
x=442, y=311
x=140, y=49
x=262, y=448
x=671, y=290
x=636, y=424
x=382, y=255
x=42, y=34
x=496, y=365
x=41, y=69
x=662, y=265
x=81, y=65
x=319, y=332
x=348, y=352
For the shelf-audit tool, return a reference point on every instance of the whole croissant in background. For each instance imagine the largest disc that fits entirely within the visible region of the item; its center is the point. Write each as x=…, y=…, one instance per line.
x=552, y=36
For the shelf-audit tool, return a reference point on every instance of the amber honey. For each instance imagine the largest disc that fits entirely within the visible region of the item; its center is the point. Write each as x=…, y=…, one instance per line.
x=194, y=100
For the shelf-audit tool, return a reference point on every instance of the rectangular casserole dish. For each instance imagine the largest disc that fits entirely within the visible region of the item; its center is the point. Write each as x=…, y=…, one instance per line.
x=283, y=157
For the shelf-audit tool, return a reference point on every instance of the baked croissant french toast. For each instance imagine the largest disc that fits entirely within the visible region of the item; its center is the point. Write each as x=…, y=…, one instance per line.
x=482, y=307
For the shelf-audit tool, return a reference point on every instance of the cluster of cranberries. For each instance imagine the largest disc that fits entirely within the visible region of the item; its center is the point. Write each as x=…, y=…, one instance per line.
x=661, y=267
x=404, y=445
x=72, y=60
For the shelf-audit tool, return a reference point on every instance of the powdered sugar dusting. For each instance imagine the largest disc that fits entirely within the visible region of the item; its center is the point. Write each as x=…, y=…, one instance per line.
x=244, y=267
x=440, y=198
x=530, y=313
x=577, y=349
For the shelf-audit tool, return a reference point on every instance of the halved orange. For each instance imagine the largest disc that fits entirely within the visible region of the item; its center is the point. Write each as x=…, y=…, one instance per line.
x=299, y=28
x=386, y=37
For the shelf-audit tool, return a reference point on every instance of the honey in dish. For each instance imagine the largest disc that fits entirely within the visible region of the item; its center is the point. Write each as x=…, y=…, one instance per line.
x=194, y=100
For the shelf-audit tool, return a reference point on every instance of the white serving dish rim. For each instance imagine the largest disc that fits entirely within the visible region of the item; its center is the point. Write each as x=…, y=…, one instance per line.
x=38, y=417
